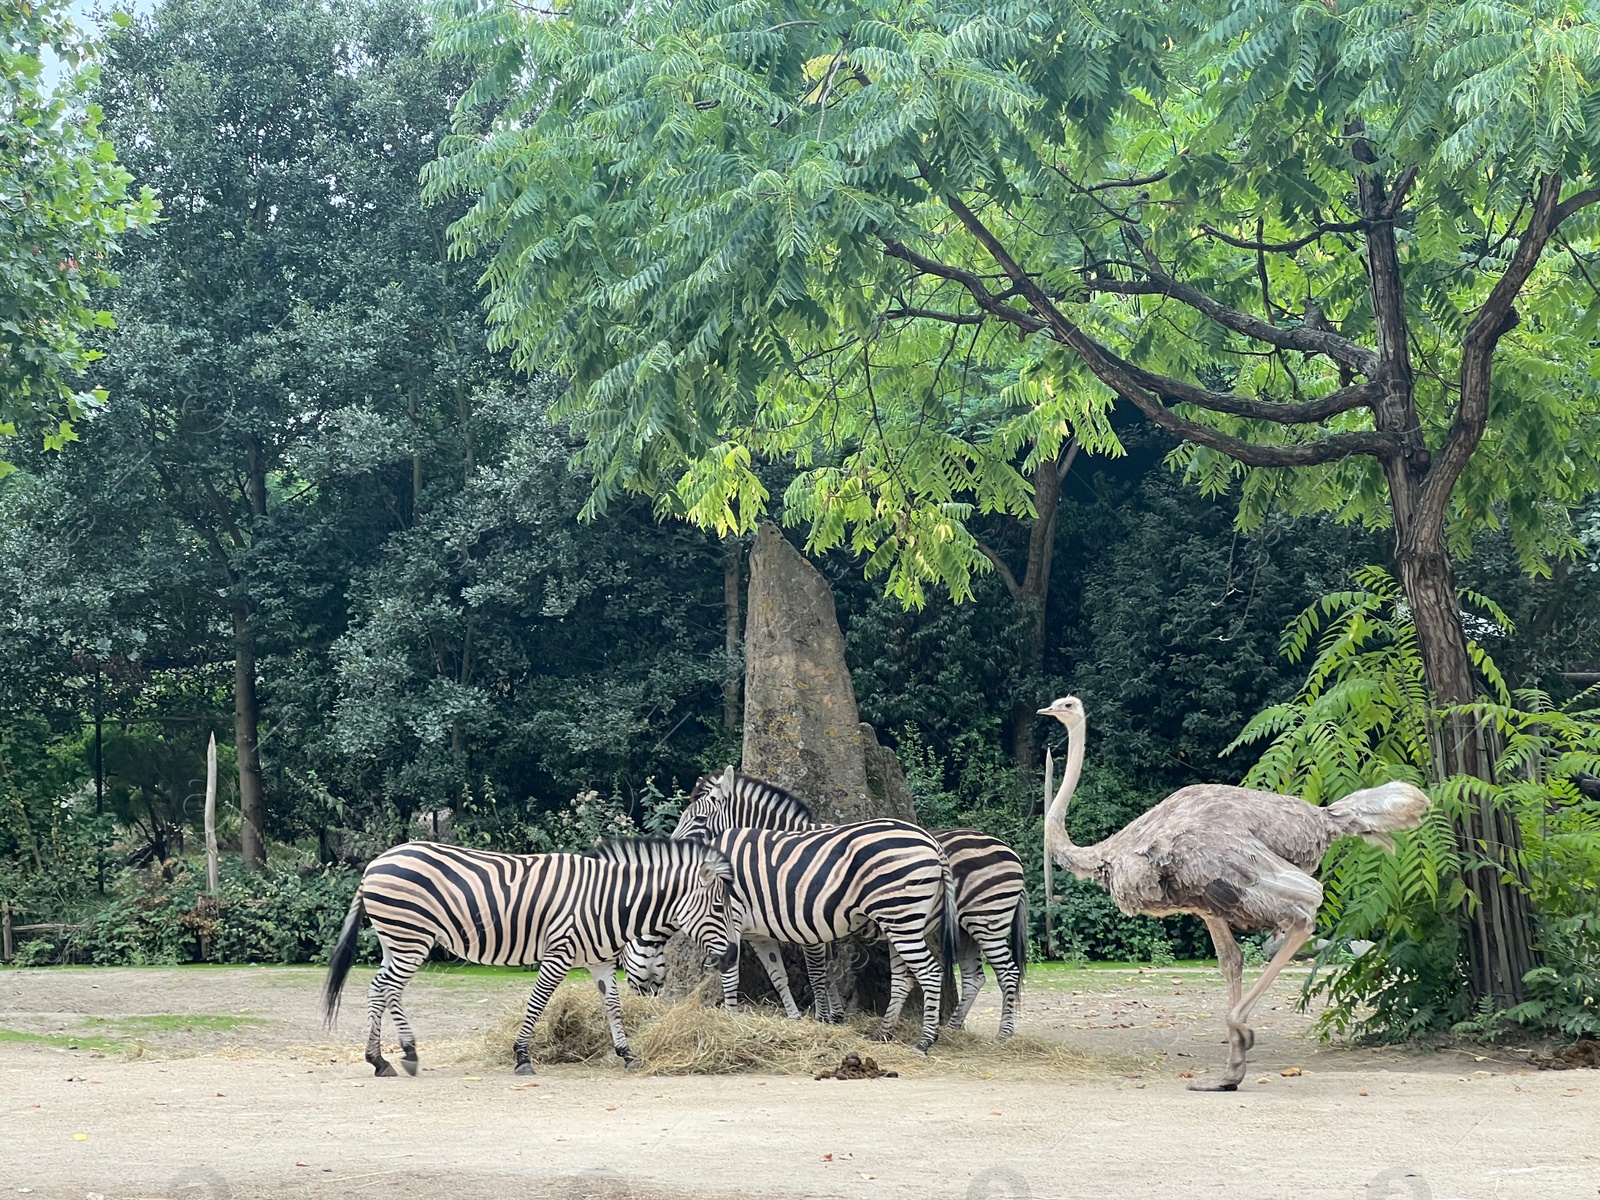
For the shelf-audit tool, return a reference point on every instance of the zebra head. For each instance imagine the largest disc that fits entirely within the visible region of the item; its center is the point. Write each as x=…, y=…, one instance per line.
x=735, y=801
x=704, y=817
x=704, y=911
x=692, y=882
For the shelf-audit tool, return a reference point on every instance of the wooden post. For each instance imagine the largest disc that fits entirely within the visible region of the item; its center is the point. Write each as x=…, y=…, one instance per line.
x=1049, y=885
x=211, y=816
x=5, y=931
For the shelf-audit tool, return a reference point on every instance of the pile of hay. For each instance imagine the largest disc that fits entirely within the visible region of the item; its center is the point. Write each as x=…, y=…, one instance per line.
x=688, y=1038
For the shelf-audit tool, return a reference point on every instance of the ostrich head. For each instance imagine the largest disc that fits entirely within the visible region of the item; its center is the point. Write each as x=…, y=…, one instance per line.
x=1068, y=710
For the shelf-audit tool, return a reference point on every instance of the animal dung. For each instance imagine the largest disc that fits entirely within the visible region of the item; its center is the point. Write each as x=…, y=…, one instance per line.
x=1585, y=1052
x=853, y=1066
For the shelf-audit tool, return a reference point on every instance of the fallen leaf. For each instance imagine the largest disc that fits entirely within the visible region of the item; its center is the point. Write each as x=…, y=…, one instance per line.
x=1263, y=1079
x=611, y=1108
x=1185, y=1074
x=1361, y=1093
x=827, y=1158
x=80, y=1137
x=1291, y=1072
x=474, y=1078
x=865, y=1176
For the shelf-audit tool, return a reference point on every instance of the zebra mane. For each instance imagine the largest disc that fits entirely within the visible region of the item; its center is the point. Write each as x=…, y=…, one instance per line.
x=780, y=802
x=660, y=852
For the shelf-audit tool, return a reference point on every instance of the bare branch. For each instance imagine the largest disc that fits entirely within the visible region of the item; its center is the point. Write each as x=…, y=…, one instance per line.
x=1290, y=246
x=1091, y=188
x=933, y=314
x=1005, y=572
x=1302, y=337
x=1064, y=463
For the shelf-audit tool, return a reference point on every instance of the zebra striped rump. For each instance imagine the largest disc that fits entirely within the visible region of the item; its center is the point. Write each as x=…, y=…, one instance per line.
x=555, y=910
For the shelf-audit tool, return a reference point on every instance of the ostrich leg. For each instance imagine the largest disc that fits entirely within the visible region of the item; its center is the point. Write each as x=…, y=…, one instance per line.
x=1231, y=961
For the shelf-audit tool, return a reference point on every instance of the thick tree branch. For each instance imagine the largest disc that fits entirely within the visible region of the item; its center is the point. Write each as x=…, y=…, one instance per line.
x=1144, y=390
x=1494, y=320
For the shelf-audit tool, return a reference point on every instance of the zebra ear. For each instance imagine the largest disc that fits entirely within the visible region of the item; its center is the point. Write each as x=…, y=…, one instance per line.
x=708, y=874
x=727, y=783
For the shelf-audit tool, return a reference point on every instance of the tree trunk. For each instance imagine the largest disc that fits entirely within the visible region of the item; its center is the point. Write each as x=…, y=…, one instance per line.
x=1033, y=595
x=246, y=724
x=732, y=633
x=1500, y=928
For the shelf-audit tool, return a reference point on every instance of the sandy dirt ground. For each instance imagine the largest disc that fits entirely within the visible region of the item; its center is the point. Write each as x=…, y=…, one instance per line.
x=220, y=1084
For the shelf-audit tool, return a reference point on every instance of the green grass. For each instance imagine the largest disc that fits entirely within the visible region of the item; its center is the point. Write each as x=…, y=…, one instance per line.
x=177, y=1023
x=64, y=1041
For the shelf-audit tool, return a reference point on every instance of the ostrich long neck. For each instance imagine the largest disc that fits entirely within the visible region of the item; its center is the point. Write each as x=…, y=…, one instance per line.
x=1080, y=860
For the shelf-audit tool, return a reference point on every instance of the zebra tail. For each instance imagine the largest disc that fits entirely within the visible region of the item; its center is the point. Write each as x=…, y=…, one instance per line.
x=1019, y=939
x=949, y=926
x=342, y=959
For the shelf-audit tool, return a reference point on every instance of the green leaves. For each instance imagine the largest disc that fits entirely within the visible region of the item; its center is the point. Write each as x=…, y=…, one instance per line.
x=64, y=204
x=844, y=239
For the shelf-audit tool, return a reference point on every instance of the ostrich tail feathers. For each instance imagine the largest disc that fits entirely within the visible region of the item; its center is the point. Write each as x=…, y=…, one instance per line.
x=1374, y=813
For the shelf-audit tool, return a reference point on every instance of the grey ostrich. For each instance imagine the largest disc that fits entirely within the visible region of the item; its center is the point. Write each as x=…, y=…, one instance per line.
x=1235, y=857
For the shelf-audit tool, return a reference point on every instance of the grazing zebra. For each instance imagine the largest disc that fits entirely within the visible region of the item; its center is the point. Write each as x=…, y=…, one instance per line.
x=991, y=897
x=557, y=910
x=815, y=886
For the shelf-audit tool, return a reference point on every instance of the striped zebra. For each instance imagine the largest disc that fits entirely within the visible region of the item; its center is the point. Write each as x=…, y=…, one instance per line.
x=557, y=910
x=991, y=897
x=815, y=886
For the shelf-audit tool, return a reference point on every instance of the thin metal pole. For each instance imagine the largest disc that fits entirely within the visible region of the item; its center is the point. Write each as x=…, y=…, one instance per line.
x=1049, y=885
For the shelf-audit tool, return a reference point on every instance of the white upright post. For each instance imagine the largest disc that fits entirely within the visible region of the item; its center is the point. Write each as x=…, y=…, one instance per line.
x=211, y=816
x=1049, y=886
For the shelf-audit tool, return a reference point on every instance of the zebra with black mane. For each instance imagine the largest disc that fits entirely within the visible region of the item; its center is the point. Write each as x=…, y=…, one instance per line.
x=558, y=911
x=814, y=886
x=991, y=898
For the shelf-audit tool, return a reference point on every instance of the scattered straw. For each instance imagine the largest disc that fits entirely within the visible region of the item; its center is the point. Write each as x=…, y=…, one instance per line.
x=688, y=1038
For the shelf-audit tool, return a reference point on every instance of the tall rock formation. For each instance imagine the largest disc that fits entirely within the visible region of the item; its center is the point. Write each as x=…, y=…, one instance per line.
x=801, y=727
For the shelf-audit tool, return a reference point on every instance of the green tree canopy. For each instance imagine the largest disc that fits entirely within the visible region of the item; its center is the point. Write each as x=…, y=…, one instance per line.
x=1339, y=250
x=64, y=201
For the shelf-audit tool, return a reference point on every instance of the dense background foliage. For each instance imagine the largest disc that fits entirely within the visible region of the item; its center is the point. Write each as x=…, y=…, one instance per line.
x=324, y=517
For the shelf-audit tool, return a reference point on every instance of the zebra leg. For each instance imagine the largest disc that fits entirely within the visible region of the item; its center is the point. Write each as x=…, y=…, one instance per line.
x=605, y=978
x=970, y=962
x=930, y=976
x=1006, y=969
x=772, y=959
x=382, y=995
x=730, y=981
x=551, y=972
x=899, y=989
x=408, y=1040
x=830, y=1009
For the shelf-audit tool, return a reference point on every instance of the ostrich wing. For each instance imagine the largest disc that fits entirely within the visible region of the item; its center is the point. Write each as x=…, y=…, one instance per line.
x=1236, y=878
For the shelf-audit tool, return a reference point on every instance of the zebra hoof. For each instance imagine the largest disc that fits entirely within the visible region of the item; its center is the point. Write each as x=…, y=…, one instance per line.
x=523, y=1068
x=384, y=1070
x=955, y=1024
x=633, y=1062
x=921, y=1049
x=409, y=1065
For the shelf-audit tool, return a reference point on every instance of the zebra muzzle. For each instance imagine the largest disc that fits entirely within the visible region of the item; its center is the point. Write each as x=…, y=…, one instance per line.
x=729, y=956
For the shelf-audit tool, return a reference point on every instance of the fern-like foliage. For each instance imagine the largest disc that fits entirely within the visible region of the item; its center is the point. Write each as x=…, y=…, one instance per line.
x=1363, y=717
